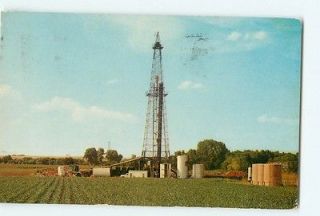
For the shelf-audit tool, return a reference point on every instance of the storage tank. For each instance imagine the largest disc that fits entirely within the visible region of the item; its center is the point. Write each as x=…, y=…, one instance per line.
x=249, y=174
x=272, y=174
x=165, y=170
x=197, y=171
x=267, y=174
x=182, y=168
x=260, y=174
x=61, y=171
x=100, y=171
x=255, y=174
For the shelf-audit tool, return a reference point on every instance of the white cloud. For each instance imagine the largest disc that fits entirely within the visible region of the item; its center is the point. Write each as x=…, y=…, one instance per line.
x=79, y=112
x=260, y=35
x=233, y=36
x=5, y=90
x=141, y=29
x=187, y=84
x=276, y=120
x=112, y=81
x=247, y=36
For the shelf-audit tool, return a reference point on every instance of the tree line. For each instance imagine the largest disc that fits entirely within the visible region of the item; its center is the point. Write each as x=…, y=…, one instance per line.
x=98, y=157
x=213, y=154
x=41, y=160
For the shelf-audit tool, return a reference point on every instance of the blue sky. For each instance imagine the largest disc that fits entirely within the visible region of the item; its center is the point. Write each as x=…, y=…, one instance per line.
x=72, y=81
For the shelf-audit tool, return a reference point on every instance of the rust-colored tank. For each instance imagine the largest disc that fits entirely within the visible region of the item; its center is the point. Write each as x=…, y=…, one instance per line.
x=267, y=174
x=255, y=174
x=272, y=174
x=260, y=174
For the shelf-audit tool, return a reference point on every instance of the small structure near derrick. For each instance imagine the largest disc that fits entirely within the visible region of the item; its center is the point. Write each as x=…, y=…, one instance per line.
x=137, y=174
x=165, y=170
x=69, y=170
x=61, y=171
x=249, y=174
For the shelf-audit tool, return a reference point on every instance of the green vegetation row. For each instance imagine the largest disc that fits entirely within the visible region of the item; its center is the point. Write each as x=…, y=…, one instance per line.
x=213, y=154
x=149, y=192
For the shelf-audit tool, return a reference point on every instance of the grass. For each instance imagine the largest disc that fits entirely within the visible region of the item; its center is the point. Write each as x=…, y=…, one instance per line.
x=21, y=169
x=27, y=169
x=148, y=192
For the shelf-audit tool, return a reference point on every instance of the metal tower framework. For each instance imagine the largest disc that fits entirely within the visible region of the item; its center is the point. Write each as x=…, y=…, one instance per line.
x=156, y=142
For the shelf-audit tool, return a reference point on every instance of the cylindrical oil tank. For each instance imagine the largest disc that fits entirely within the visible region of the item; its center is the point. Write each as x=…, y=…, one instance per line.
x=249, y=174
x=255, y=174
x=100, y=171
x=272, y=174
x=267, y=174
x=260, y=174
x=61, y=171
x=182, y=168
x=197, y=171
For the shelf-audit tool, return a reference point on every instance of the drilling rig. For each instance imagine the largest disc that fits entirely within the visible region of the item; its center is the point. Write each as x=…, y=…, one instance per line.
x=156, y=142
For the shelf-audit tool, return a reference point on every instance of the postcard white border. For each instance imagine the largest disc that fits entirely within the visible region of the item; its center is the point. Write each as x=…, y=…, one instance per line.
x=307, y=10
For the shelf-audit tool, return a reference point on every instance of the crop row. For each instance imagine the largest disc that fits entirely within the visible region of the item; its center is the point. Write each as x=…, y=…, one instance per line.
x=151, y=192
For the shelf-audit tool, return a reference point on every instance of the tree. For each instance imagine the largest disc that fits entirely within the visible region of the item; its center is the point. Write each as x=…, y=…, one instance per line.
x=241, y=160
x=177, y=153
x=193, y=157
x=7, y=159
x=289, y=161
x=238, y=161
x=262, y=156
x=211, y=153
x=43, y=160
x=113, y=157
x=91, y=156
x=100, y=153
x=68, y=160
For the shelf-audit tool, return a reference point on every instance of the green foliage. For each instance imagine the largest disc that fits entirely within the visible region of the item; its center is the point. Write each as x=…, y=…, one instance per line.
x=211, y=153
x=113, y=157
x=241, y=160
x=236, y=161
x=91, y=156
x=177, y=153
x=100, y=153
x=44, y=160
x=6, y=159
x=289, y=161
x=193, y=157
x=151, y=192
x=68, y=161
x=173, y=161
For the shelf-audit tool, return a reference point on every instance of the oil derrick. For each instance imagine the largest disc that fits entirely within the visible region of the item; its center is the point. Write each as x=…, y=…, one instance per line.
x=155, y=143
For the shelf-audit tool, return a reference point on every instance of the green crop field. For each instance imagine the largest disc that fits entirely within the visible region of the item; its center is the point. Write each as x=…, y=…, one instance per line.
x=149, y=192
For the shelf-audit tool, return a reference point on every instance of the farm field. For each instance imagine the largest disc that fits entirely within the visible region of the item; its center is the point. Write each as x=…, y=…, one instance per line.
x=27, y=169
x=22, y=169
x=148, y=192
